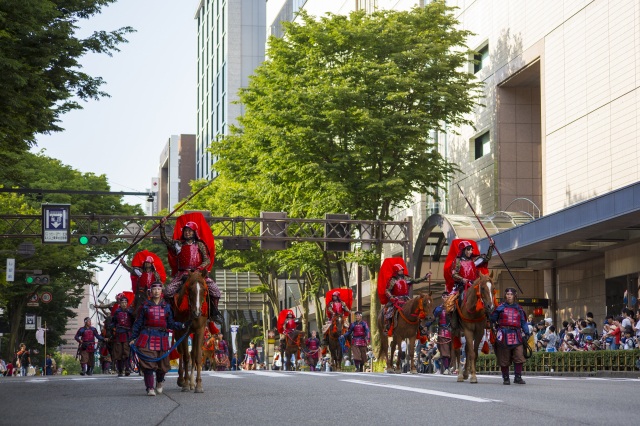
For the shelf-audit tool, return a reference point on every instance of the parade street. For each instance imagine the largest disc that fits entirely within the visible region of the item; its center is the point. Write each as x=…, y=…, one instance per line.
x=271, y=397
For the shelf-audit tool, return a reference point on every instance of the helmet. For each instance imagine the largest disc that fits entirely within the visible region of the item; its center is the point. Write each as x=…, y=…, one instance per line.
x=191, y=225
x=510, y=290
x=149, y=259
x=121, y=296
x=398, y=268
x=289, y=314
x=462, y=245
x=335, y=294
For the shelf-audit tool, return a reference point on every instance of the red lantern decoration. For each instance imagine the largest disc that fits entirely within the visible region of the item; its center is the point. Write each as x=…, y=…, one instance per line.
x=538, y=312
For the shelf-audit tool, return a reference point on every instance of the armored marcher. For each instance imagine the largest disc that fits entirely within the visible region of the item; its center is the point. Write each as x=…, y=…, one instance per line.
x=122, y=322
x=312, y=352
x=397, y=291
x=221, y=353
x=251, y=357
x=86, y=337
x=464, y=270
x=360, y=337
x=511, y=323
x=151, y=338
x=444, y=341
x=192, y=248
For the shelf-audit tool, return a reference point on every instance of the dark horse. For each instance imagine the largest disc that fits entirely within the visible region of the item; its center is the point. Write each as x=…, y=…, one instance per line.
x=291, y=346
x=477, y=305
x=406, y=325
x=336, y=329
x=195, y=291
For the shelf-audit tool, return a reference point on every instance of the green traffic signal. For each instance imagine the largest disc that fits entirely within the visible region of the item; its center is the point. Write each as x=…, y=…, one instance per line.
x=29, y=279
x=93, y=240
x=84, y=240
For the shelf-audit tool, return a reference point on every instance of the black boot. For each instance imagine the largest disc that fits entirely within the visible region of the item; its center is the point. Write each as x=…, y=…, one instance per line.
x=506, y=381
x=90, y=371
x=518, y=379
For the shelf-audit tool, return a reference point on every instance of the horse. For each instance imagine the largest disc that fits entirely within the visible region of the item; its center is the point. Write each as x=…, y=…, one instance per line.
x=336, y=329
x=195, y=291
x=291, y=346
x=406, y=326
x=477, y=305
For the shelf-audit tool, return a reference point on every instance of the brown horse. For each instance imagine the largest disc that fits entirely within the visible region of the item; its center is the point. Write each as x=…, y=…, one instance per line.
x=195, y=291
x=336, y=329
x=291, y=344
x=406, y=326
x=477, y=305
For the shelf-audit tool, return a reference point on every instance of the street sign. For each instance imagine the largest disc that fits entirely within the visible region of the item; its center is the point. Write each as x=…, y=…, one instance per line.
x=11, y=270
x=33, y=300
x=55, y=224
x=30, y=321
x=46, y=297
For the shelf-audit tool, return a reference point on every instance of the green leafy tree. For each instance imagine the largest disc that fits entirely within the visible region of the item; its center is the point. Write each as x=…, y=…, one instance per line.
x=70, y=266
x=339, y=118
x=41, y=77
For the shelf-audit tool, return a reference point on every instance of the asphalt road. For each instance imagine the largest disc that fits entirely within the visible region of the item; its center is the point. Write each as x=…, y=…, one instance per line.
x=270, y=398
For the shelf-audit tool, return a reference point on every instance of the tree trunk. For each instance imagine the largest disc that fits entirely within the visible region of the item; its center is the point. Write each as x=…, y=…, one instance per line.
x=17, y=314
x=374, y=309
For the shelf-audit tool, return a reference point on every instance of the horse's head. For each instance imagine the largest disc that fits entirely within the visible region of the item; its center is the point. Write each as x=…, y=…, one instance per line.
x=196, y=290
x=427, y=305
x=487, y=292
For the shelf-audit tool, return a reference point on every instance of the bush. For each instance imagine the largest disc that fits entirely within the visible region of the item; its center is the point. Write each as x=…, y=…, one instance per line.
x=68, y=362
x=562, y=362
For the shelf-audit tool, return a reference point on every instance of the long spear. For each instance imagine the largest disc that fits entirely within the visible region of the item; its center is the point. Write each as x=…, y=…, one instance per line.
x=489, y=237
x=135, y=243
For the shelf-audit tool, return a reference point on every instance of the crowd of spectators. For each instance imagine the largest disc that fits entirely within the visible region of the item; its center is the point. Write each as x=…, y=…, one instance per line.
x=583, y=334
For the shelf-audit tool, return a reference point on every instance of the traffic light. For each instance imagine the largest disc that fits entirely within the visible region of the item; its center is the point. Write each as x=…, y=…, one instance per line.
x=37, y=279
x=93, y=240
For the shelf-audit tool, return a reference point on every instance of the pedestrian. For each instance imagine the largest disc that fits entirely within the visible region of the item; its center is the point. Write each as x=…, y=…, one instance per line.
x=151, y=338
x=511, y=323
x=313, y=350
x=221, y=353
x=49, y=365
x=86, y=337
x=121, y=322
x=3, y=368
x=360, y=337
x=24, y=358
x=234, y=361
x=277, y=360
x=251, y=357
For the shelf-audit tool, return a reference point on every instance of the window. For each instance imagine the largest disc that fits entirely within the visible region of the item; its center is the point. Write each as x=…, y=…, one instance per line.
x=482, y=145
x=481, y=59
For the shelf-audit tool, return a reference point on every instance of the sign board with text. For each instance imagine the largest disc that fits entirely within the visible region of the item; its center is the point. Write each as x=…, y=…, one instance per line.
x=30, y=322
x=56, y=224
x=11, y=270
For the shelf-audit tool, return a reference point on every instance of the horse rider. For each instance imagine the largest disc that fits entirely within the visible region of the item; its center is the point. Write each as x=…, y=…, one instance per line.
x=313, y=350
x=335, y=307
x=142, y=277
x=122, y=321
x=511, y=323
x=465, y=268
x=290, y=325
x=444, y=341
x=360, y=338
x=192, y=254
x=251, y=357
x=151, y=338
x=397, y=292
x=86, y=337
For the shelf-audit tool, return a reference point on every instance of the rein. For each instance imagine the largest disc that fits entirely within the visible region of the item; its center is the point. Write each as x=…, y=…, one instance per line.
x=419, y=312
x=147, y=358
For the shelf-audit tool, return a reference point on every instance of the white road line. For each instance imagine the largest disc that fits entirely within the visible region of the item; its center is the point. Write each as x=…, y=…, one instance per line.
x=425, y=391
x=265, y=373
x=223, y=375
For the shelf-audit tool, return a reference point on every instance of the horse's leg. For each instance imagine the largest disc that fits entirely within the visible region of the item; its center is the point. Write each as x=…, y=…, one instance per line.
x=180, y=363
x=410, y=355
x=478, y=332
x=184, y=359
x=198, y=338
x=392, y=348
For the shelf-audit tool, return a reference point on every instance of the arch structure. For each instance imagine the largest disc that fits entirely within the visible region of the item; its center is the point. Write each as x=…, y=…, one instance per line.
x=436, y=232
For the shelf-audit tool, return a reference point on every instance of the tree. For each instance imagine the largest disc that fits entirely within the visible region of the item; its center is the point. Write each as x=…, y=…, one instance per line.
x=41, y=77
x=339, y=117
x=69, y=269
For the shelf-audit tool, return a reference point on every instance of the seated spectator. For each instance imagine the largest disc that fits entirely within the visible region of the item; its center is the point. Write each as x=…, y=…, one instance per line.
x=569, y=344
x=590, y=344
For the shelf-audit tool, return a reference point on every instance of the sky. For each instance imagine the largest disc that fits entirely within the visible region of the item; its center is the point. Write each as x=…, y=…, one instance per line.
x=152, y=83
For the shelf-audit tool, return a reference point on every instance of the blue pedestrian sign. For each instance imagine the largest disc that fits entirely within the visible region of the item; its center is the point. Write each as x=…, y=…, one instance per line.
x=55, y=224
